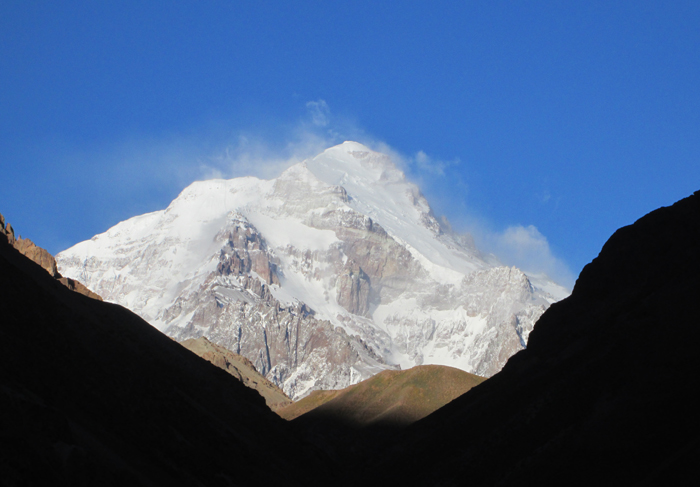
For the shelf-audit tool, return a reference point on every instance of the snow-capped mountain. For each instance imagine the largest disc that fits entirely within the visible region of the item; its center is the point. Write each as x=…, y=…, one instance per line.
x=322, y=277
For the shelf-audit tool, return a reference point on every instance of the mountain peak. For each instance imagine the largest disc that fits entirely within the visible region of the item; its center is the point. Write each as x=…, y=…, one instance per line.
x=355, y=162
x=349, y=146
x=340, y=254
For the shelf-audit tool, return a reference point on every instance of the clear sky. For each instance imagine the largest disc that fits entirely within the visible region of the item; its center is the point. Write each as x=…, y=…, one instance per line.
x=541, y=127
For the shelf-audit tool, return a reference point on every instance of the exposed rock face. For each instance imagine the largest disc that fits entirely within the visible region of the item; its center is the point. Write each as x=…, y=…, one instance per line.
x=353, y=290
x=42, y=257
x=322, y=277
x=246, y=252
x=241, y=368
x=287, y=344
x=27, y=248
x=6, y=231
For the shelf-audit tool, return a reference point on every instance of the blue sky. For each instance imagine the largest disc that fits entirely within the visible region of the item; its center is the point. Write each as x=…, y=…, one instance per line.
x=541, y=127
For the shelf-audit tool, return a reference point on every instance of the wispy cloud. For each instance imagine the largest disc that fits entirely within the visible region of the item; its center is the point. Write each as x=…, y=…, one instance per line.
x=251, y=154
x=320, y=112
x=526, y=248
x=425, y=163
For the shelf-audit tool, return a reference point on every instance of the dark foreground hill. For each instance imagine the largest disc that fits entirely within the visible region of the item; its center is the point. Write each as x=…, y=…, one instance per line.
x=605, y=393
x=90, y=395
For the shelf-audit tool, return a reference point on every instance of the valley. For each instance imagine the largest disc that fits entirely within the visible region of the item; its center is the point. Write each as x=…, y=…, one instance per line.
x=602, y=394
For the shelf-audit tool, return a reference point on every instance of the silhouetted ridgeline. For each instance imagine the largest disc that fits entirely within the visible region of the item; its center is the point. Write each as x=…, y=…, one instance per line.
x=42, y=257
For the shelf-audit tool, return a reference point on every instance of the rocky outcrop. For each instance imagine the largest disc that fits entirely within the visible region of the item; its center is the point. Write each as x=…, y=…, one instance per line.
x=244, y=252
x=78, y=287
x=43, y=258
x=27, y=248
x=6, y=231
x=354, y=290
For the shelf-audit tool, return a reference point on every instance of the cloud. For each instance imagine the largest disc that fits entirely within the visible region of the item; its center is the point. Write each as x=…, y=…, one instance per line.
x=422, y=162
x=320, y=112
x=246, y=155
x=250, y=154
x=529, y=250
x=418, y=166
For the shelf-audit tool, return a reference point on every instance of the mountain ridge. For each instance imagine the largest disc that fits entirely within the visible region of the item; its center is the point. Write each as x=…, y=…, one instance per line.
x=43, y=258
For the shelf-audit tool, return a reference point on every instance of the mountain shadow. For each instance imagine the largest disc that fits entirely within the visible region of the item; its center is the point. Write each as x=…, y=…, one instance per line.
x=604, y=394
x=90, y=394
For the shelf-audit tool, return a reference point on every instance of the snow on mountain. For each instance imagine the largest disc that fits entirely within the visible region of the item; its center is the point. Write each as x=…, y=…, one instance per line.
x=322, y=277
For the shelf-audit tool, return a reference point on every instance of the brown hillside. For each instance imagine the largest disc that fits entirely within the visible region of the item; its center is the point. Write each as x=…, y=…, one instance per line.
x=310, y=402
x=392, y=397
x=239, y=367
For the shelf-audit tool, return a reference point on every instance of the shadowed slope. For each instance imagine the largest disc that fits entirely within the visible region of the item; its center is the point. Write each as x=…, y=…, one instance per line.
x=90, y=394
x=605, y=393
x=239, y=367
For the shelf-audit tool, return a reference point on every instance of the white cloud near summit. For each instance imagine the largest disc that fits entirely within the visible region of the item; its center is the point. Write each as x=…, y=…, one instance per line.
x=528, y=249
x=320, y=112
x=422, y=162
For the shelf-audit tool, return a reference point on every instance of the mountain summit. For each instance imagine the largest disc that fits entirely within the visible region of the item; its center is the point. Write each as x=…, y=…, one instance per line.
x=332, y=272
